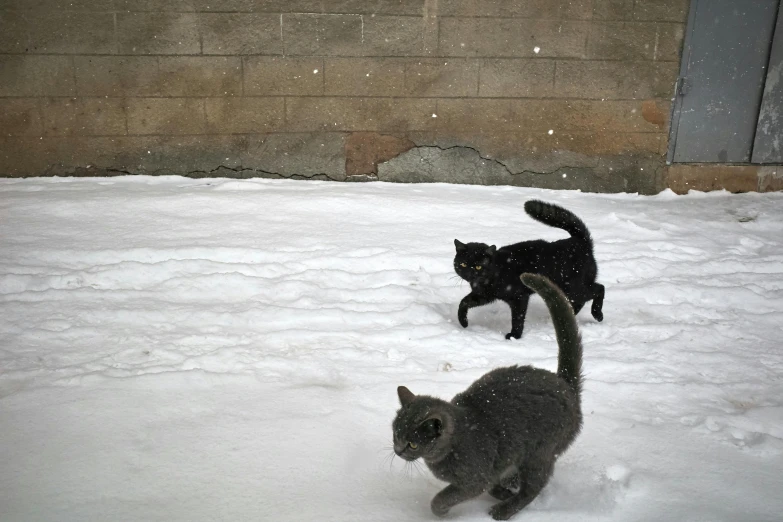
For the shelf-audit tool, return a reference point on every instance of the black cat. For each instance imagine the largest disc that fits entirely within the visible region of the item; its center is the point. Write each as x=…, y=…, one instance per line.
x=504, y=433
x=494, y=273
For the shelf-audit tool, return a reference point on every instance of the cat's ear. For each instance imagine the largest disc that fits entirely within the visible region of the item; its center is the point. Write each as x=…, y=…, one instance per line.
x=459, y=244
x=431, y=427
x=491, y=250
x=405, y=395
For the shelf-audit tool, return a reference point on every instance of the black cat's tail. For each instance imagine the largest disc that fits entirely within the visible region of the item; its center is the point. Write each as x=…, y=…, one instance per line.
x=569, y=341
x=558, y=217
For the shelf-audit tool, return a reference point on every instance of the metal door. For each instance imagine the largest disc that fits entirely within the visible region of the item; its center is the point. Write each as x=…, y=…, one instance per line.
x=719, y=91
x=768, y=146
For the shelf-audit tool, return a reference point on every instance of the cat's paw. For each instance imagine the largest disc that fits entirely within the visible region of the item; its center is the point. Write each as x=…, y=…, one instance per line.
x=438, y=507
x=598, y=316
x=514, y=335
x=502, y=511
x=463, y=321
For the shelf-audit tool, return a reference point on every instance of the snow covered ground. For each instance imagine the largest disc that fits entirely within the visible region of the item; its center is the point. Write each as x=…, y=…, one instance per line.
x=201, y=350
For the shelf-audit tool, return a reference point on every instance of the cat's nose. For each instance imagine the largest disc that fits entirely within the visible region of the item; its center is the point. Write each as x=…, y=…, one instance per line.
x=399, y=449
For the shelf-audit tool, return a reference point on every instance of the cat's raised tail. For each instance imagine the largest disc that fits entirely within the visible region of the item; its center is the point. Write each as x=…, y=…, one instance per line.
x=569, y=341
x=558, y=217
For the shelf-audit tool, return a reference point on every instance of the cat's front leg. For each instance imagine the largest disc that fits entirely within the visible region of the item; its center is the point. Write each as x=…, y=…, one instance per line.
x=518, y=313
x=470, y=301
x=452, y=495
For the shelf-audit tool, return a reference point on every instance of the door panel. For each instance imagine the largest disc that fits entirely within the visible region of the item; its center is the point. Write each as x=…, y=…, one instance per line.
x=722, y=80
x=768, y=147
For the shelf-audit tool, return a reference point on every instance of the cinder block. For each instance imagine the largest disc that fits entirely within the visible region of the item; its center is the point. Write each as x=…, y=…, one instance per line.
x=22, y=156
x=614, y=80
x=273, y=75
x=158, y=33
x=364, y=76
x=612, y=9
x=178, y=6
x=670, y=38
x=99, y=117
x=199, y=76
x=517, y=78
x=158, y=76
x=375, y=7
x=393, y=36
x=622, y=41
x=166, y=116
x=83, y=116
x=486, y=116
x=501, y=8
x=240, y=33
x=661, y=10
x=317, y=34
x=576, y=9
x=71, y=33
x=59, y=116
x=360, y=114
x=441, y=77
x=541, y=116
x=431, y=28
x=116, y=75
x=26, y=75
x=500, y=38
x=544, y=9
x=258, y=6
x=61, y=5
x=14, y=32
x=20, y=117
x=245, y=115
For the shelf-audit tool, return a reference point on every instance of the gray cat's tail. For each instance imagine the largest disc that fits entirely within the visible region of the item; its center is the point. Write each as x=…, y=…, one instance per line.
x=569, y=341
x=558, y=217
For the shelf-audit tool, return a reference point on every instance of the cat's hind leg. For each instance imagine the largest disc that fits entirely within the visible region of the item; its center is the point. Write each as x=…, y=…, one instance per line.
x=533, y=479
x=501, y=493
x=577, y=305
x=507, y=487
x=598, y=302
x=452, y=495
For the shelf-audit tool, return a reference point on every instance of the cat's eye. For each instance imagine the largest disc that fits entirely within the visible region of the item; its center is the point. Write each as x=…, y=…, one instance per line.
x=463, y=265
x=413, y=445
x=479, y=267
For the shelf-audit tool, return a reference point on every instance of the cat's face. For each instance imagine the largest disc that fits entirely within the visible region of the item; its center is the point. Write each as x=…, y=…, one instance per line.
x=418, y=429
x=473, y=260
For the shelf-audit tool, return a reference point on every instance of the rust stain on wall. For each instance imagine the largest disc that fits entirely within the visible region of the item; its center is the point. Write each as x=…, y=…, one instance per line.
x=654, y=114
x=364, y=150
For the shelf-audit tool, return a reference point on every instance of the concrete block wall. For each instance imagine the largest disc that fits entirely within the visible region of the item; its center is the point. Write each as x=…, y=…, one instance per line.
x=549, y=93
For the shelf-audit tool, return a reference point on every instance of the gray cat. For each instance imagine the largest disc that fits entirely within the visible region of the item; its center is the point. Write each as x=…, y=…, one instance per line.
x=504, y=433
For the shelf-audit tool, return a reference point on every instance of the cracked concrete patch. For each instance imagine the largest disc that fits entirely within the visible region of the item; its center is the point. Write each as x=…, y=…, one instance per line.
x=466, y=165
x=430, y=164
x=459, y=164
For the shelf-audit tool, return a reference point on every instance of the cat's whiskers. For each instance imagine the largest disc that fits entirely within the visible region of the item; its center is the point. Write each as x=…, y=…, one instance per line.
x=389, y=458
